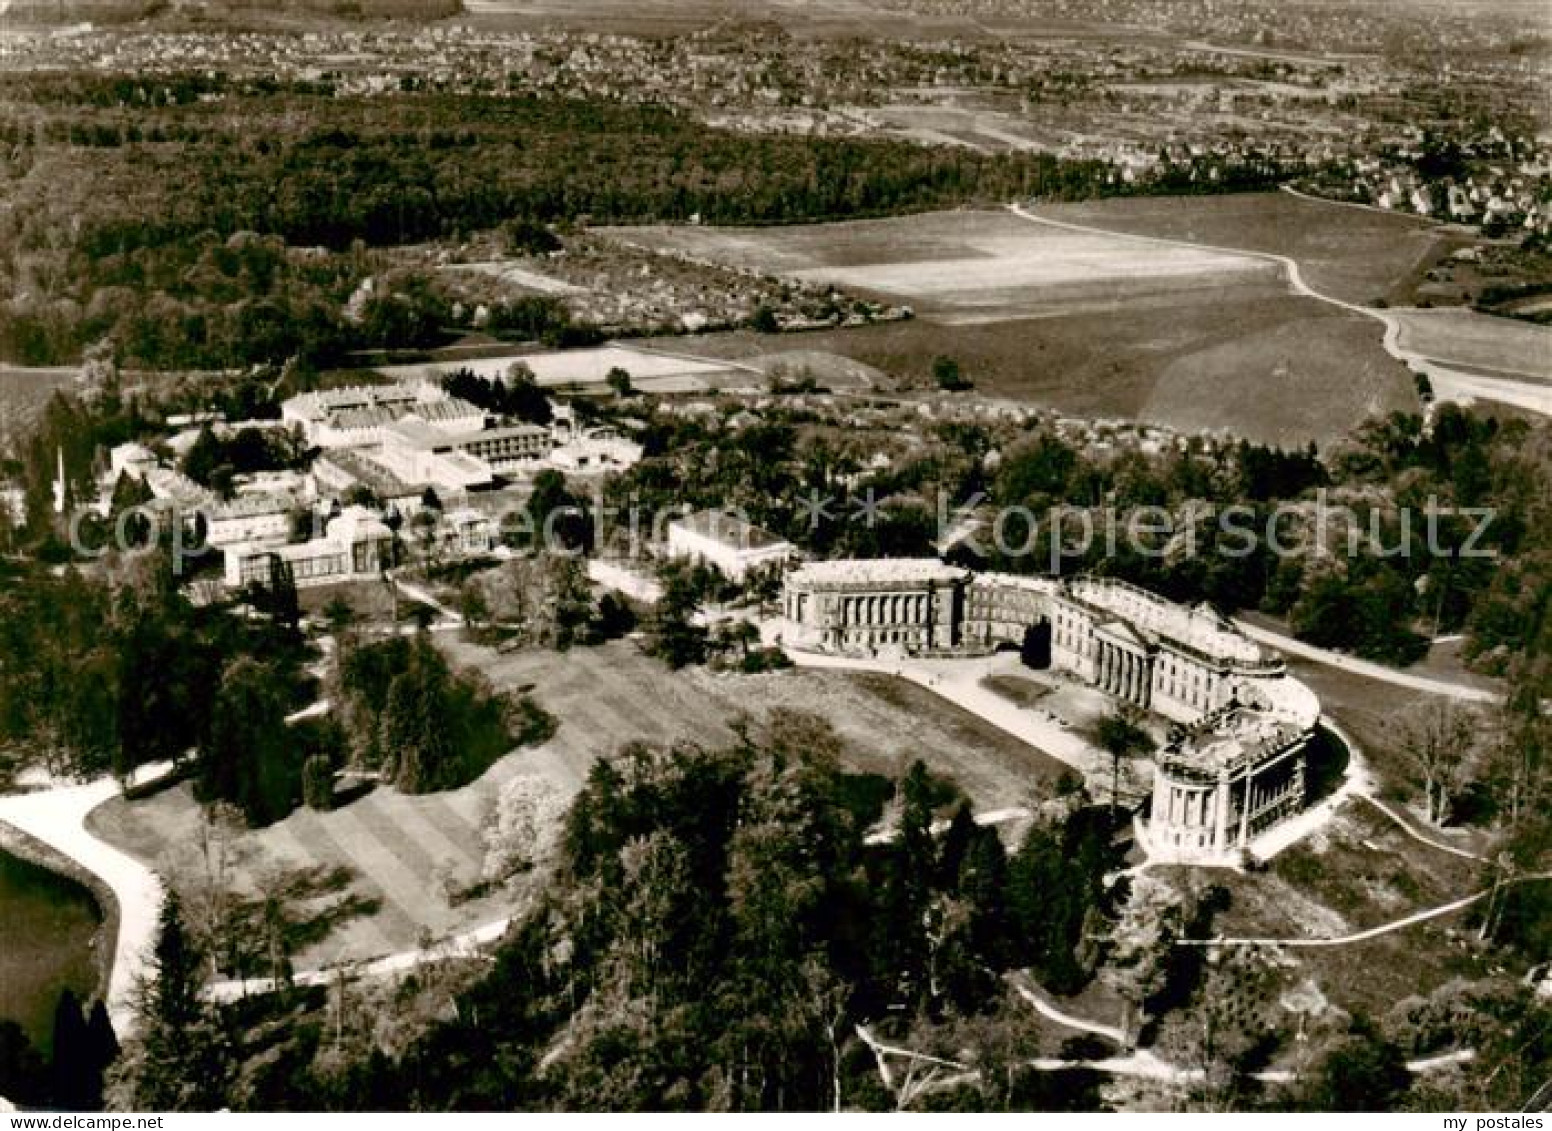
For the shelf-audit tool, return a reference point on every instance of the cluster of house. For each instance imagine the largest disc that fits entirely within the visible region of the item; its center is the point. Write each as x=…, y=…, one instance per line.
x=1236, y=762
x=396, y=447
x=1506, y=189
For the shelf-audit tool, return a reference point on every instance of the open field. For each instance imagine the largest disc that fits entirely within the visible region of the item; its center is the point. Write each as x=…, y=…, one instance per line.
x=650, y=372
x=1348, y=253
x=1088, y=324
x=366, y=876
x=966, y=266
x=1276, y=369
x=1493, y=347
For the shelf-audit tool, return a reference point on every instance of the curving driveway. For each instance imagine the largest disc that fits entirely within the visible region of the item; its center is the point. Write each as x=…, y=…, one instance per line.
x=57, y=818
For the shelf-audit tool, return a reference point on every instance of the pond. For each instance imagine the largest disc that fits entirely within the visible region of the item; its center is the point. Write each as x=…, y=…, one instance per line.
x=46, y=944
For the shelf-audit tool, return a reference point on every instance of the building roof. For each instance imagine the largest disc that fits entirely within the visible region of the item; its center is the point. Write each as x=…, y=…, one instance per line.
x=1200, y=628
x=254, y=505
x=1029, y=583
x=324, y=402
x=878, y=571
x=360, y=419
x=730, y=530
x=382, y=482
x=450, y=409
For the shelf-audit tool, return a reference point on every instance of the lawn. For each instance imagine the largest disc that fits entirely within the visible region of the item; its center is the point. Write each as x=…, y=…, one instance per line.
x=371, y=877
x=1273, y=368
x=1359, y=872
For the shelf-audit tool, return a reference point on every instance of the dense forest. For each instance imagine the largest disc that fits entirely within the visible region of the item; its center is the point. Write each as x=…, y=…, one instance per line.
x=206, y=223
x=714, y=930
x=108, y=670
x=717, y=933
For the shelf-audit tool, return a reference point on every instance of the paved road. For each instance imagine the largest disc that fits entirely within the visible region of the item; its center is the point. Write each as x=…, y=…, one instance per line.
x=57, y=817
x=1366, y=668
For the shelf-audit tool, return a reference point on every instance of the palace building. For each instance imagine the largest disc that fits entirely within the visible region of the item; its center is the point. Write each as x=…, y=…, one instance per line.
x=1235, y=764
x=863, y=606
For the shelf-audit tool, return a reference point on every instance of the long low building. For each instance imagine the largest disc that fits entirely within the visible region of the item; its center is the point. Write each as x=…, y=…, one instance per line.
x=1236, y=762
x=356, y=544
x=729, y=542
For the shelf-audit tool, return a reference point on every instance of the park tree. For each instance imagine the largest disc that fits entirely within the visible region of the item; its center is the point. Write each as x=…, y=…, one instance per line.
x=1519, y=769
x=70, y=1062
x=1232, y=1026
x=318, y=782
x=1440, y=742
x=763, y=320
x=84, y=1047
x=1120, y=734
x=674, y=637
x=418, y=731
x=524, y=399
x=559, y=518
x=1364, y=1071
x=619, y=381
x=947, y=374
x=180, y=1058
x=545, y=597
x=24, y=1077
x=246, y=756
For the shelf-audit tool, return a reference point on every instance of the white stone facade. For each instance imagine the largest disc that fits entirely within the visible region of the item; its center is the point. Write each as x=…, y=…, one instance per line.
x=1236, y=765
x=737, y=548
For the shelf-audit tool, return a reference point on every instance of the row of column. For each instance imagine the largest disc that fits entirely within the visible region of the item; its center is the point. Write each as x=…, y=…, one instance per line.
x=901, y=608
x=1190, y=808
x=1123, y=672
x=1257, y=800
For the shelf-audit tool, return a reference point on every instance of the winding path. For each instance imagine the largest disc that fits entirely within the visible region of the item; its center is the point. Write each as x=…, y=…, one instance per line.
x=1448, y=382
x=1371, y=932
x=469, y=944
x=57, y=818
x=1366, y=668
